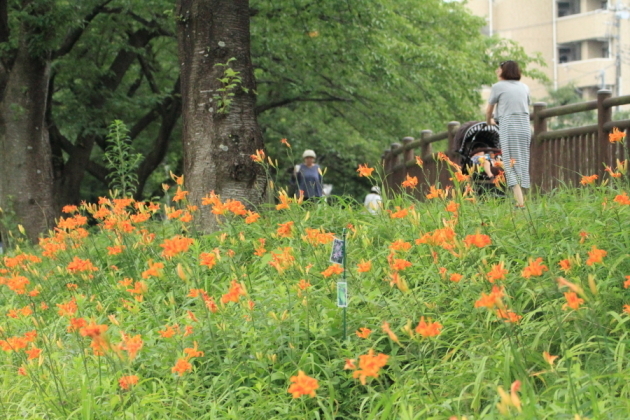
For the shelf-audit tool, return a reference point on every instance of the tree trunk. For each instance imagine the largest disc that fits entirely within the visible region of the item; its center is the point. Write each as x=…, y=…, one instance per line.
x=26, y=175
x=218, y=141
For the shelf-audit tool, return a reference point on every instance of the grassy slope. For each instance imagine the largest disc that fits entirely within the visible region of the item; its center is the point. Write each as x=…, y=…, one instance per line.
x=251, y=354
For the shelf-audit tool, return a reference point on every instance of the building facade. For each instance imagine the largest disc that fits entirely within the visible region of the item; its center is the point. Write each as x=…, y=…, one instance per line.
x=585, y=43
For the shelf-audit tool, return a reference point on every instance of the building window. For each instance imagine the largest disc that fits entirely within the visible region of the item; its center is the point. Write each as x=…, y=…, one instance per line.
x=568, y=7
x=569, y=52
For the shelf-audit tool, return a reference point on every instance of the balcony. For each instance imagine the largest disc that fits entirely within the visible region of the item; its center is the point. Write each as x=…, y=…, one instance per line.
x=585, y=73
x=592, y=25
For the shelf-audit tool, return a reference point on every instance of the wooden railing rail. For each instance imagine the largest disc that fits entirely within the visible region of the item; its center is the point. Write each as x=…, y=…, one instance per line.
x=557, y=157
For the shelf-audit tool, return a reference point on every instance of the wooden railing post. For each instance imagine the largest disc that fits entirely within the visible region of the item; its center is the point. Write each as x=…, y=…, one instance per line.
x=452, y=128
x=426, y=148
x=408, y=154
x=387, y=162
x=397, y=174
x=604, y=115
x=537, y=156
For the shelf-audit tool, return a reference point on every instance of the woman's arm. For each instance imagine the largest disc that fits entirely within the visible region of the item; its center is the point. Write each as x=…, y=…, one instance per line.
x=489, y=111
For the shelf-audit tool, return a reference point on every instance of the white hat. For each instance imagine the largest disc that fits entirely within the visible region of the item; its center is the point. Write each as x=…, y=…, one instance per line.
x=309, y=153
x=375, y=189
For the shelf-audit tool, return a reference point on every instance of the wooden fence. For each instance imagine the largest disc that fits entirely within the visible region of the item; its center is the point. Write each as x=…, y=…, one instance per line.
x=557, y=157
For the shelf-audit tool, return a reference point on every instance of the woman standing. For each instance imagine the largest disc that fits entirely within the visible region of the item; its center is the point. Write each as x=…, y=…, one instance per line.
x=309, y=176
x=509, y=100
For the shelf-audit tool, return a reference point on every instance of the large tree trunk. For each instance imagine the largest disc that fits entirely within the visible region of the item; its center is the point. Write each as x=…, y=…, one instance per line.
x=26, y=175
x=217, y=145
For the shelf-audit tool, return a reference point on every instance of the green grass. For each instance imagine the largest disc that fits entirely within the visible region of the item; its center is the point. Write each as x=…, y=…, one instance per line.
x=250, y=354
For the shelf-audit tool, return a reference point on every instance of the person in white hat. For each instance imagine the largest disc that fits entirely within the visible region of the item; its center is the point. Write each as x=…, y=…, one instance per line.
x=309, y=176
x=373, y=201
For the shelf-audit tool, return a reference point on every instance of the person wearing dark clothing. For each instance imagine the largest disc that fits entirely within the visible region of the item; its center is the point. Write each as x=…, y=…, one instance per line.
x=308, y=176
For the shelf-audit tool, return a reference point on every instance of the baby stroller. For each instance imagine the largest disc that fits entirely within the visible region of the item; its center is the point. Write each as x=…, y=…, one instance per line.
x=472, y=138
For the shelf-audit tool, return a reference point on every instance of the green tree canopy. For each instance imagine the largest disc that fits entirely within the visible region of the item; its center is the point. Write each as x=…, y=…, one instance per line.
x=347, y=79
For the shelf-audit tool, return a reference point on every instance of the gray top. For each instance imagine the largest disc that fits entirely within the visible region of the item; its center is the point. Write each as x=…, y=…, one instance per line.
x=511, y=96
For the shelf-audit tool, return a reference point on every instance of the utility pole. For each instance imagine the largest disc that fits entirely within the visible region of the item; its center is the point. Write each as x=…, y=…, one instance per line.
x=618, y=16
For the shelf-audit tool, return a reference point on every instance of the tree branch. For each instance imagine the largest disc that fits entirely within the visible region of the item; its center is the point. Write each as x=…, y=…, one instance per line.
x=4, y=21
x=283, y=102
x=170, y=117
x=146, y=70
x=76, y=33
x=151, y=24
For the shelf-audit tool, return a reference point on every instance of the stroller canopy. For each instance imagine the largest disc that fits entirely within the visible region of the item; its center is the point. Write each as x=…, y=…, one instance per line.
x=474, y=135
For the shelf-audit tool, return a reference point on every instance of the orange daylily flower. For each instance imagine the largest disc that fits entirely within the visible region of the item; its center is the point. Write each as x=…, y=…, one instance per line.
x=565, y=265
x=534, y=269
x=333, y=269
x=153, y=270
x=259, y=157
x=491, y=300
x=370, y=365
x=456, y=278
x=399, y=264
x=497, y=272
x=508, y=316
x=626, y=284
x=115, y=250
x=252, y=217
x=622, y=199
x=435, y=193
x=573, y=301
x=431, y=329
x=400, y=245
x=127, y=382
x=303, y=284
x=285, y=230
x=193, y=352
x=363, y=332
x=33, y=353
x=209, y=259
x=234, y=294
x=461, y=177
x=595, y=255
x=78, y=265
x=364, y=266
x=169, y=331
x=616, y=136
x=180, y=194
x=438, y=237
x=419, y=161
x=399, y=213
x=303, y=385
x=410, y=182
x=549, y=358
x=478, y=240
x=587, y=180
x=176, y=245
x=181, y=366
x=452, y=207
x=285, y=142
x=365, y=171
x=132, y=345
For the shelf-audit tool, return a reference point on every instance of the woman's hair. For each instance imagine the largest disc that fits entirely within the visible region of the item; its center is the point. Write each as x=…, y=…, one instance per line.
x=510, y=70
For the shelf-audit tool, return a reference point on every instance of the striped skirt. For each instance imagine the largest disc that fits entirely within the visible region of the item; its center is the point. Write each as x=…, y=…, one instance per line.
x=515, y=137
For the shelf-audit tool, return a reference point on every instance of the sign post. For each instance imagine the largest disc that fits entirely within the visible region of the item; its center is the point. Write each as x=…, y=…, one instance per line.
x=338, y=256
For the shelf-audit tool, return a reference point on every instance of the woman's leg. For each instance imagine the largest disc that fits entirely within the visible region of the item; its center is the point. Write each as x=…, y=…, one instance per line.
x=518, y=195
